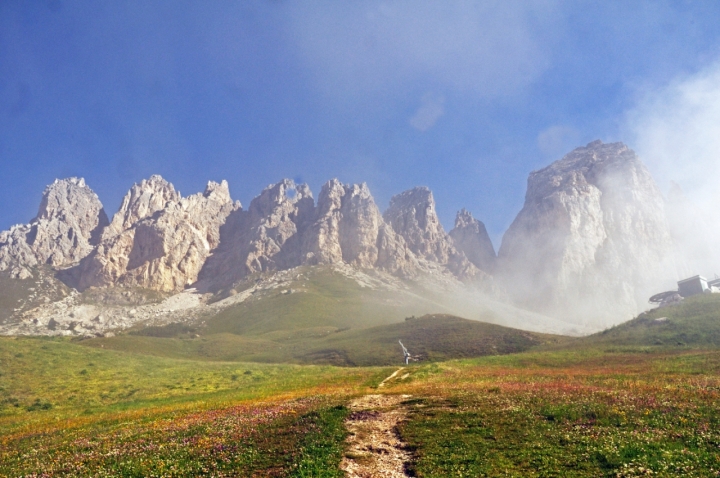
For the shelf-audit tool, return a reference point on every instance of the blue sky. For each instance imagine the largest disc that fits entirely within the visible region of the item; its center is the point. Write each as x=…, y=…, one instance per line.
x=464, y=97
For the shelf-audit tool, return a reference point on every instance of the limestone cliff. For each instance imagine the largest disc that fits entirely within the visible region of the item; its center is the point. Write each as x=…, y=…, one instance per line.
x=591, y=242
x=158, y=240
x=266, y=237
x=470, y=236
x=412, y=215
x=67, y=226
x=162, y=241
x=349, y=228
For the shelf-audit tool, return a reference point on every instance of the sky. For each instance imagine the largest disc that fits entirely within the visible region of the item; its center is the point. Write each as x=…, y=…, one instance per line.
x=466, y=98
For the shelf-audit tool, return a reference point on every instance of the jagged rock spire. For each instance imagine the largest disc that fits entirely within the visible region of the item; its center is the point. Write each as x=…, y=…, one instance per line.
x=470, y=236
x=159, y=240
x=68, y=224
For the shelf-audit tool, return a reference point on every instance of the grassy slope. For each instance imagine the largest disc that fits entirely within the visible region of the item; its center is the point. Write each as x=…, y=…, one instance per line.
x=588, y=408
x=329, y=319
x=328, y=300
x=573, y=412
x=74, y=378
x=76, y=411
x=583, y=413
x=432, y=337
x=695, y=322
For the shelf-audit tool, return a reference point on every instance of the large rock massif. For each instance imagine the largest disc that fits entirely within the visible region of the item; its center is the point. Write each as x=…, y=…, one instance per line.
x=65, y=230
x=591, y=242
x=158, y=239
x=412, y=214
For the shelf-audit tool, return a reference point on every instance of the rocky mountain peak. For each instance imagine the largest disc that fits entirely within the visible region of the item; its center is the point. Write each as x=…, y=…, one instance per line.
x=345, y=226
x=59, y=196
x=464, y=219
x=165, y=239
x=266, y=237
x=583, y=166
x=412, y=215
x=470, y=236
x=218, y=191
x=593, y=226
x=69, y=222
x=143, y=200
x=282, y=196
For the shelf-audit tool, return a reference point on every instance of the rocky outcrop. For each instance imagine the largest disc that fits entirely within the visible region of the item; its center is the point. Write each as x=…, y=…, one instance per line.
x=67, y=226
x=142, y=201
x=159, y=240
x=412, y=215
x=267, y=237
x=349, y=228
x=591, y=242
x=321, y=244
x=283, y=229
x=470, y=236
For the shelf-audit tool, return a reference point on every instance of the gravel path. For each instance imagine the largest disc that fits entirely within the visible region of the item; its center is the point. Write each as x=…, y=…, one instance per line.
x=374, y=445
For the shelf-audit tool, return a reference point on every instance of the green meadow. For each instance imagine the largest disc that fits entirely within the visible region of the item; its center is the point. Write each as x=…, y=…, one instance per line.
x=641, y=399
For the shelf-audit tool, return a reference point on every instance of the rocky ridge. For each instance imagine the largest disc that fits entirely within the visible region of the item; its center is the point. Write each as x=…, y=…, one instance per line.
x=591, y=241
x=161, y=241
x=590, y=244
x=412, y=214
x=470, y=236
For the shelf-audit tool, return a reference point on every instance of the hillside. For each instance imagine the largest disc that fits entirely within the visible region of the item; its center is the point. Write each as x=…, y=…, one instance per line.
x=20, y=295
x=430, y=337
x=695, y=322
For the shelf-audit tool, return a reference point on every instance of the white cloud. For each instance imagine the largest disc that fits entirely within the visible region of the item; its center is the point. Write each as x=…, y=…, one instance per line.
x=431, y=109
x=676, y=131
x=490, y=48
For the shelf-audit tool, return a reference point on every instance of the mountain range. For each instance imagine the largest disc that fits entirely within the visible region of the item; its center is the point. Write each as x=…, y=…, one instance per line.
x=592, y=242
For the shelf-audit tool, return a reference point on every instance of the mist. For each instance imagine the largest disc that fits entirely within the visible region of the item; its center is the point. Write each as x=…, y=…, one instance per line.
x=676, y=131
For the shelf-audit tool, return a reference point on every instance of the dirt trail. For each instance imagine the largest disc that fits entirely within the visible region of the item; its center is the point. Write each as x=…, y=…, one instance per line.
x=374, y=445
x=391, y=376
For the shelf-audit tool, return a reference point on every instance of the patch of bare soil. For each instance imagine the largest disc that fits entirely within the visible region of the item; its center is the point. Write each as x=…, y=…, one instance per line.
x=374, y=445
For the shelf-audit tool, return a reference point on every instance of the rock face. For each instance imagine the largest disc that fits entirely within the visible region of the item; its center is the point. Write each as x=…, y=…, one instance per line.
x=412, y=215
x=283, y=229
x=349, y=228
x=142, y=201
x=470, y=236
x=591, y=240
x=158, y=240
x=345, y=228
x=67, y=226
x=267, y=237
